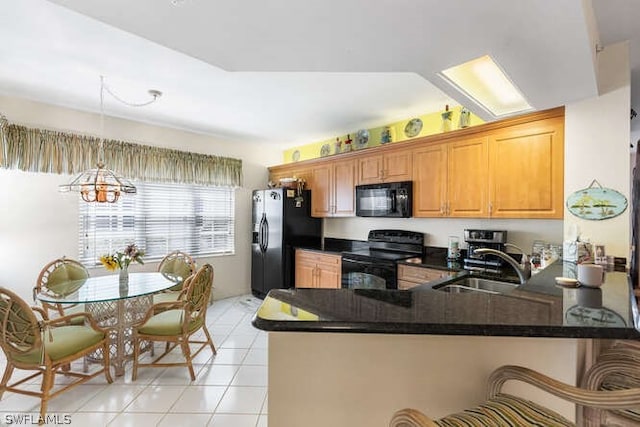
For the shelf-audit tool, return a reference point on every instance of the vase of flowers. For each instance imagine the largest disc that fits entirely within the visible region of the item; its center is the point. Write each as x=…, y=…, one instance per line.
x=121, y=260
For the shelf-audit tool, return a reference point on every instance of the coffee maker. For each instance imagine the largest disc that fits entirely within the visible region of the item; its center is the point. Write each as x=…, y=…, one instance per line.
x=476, y=239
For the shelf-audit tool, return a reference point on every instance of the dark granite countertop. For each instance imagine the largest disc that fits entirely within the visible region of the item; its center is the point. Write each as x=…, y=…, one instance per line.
x=539, y=308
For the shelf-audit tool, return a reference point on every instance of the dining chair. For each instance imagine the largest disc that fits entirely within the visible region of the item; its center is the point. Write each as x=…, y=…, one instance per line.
x=176, y=263
x=176, y=323
x=47, y=346
x=58, y=277
x=610, y=388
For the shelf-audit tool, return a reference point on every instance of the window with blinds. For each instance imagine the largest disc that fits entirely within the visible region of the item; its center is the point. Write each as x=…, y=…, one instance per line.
x=160, y=218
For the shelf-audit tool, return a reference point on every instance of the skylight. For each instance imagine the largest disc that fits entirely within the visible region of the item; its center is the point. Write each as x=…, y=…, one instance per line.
x=482, y=80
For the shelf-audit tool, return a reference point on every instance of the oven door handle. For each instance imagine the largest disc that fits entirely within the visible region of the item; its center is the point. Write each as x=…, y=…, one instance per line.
x=367, y=263
x=394, y=202
x=356, y=261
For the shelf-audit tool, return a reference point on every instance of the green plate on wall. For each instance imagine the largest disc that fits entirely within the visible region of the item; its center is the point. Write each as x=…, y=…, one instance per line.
x=596, y=203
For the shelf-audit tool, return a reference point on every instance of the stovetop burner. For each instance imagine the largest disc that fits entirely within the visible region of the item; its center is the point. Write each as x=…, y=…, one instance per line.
x=373, y=254
x=375, y=267
x=389, y=245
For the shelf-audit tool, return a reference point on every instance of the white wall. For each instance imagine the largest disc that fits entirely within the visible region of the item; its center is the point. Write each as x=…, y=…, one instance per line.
x=597, y=136
x=519, y=232
x=38, y=224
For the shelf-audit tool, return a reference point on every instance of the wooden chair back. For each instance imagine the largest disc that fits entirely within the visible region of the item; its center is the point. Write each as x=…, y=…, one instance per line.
x=197, y=295
x=19, y=327
x=178, y=263
x=54, y=275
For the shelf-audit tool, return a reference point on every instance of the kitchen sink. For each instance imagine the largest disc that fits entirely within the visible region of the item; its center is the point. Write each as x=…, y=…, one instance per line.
x=475, y=284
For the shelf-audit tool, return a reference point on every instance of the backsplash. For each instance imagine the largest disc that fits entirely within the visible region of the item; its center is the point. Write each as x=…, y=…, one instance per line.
x=437, y=231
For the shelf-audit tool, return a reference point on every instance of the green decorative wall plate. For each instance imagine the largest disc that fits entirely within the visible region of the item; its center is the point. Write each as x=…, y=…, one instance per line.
x=596, y=202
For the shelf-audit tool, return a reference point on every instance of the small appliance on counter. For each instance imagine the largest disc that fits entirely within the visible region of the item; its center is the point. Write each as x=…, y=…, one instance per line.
x=476, y=239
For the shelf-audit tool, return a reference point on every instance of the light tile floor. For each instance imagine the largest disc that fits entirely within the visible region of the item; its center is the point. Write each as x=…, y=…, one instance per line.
x=230, y=389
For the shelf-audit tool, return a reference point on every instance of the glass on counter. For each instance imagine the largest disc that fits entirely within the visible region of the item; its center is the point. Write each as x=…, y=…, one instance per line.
x=453, y=248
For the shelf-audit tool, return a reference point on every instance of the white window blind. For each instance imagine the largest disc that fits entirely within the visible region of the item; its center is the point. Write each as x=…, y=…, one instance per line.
x=160, y=218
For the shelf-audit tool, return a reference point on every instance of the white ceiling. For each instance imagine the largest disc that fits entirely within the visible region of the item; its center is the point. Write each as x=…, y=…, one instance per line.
x=288, y=72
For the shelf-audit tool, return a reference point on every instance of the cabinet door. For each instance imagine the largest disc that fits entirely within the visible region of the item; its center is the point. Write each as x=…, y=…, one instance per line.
x=343, y=188
x=321, y=194
x=397, y=166
x=329, y=275
x=305, y=269
x=526, y=171
x=467, y=188
x=430, y=181
x=370, y=169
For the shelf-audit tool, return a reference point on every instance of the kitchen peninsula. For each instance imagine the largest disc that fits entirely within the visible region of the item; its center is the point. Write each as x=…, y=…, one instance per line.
x=352, y=357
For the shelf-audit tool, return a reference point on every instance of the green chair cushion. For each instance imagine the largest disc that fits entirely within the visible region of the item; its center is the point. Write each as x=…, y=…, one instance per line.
x=78, y=308
x=178, y=267
x=168, y=323
x=66, y=341
x=506, y=411
x=165, y=297
x=65, y=273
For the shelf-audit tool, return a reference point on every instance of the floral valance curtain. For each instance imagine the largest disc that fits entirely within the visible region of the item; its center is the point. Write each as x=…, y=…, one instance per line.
x=39, y=150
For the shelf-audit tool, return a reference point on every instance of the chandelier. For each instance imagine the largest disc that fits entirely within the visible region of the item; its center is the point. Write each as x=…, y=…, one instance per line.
x=100, y=184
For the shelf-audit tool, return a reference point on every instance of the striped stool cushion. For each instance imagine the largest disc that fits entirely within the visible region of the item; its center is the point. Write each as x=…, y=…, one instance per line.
x=505, y=410
x=615, y=382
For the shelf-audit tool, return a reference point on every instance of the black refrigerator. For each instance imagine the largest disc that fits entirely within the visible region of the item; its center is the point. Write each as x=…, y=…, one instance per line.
x=281, y=222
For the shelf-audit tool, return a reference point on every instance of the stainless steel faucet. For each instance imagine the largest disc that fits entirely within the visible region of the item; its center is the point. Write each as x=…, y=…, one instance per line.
x=524, y=272
x=524, y=261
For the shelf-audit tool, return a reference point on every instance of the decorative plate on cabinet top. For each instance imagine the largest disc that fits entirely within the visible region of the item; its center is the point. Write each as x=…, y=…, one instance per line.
x=295, y=156
x=413, y=128
x=325, y=150
x=362, y=138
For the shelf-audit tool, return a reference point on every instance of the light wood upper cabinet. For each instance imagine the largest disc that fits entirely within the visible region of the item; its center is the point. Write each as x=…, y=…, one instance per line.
x=450, y=180
x=392, y=166
x=526, y=173
x=430, y=181
x=467, y=174
x=512, y=168
x=318, y=270
x=333, y=187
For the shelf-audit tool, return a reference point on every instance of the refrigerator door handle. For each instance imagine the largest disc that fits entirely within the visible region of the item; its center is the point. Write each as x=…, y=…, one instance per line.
x=266, y=234
x=261, y=237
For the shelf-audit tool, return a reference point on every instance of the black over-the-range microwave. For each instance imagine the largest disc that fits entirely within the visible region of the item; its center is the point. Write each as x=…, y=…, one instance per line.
x=390, y=199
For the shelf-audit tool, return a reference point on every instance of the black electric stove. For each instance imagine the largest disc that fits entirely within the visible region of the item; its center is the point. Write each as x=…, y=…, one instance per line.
x=375, y=267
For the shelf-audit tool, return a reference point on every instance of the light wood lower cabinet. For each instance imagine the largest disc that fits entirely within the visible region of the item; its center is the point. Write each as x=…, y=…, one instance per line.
x=410, y=276
x=318, y=270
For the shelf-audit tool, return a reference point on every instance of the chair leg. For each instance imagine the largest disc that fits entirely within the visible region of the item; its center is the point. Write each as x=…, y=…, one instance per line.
x=136, y=355
x=209, y=340
x=47, y=384
x=8, y=371
x=107, y=362
x=186, y=351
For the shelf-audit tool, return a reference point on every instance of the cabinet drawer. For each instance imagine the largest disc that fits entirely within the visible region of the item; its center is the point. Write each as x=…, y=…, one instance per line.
x=317, y=257
x=403, y=285
x=419, y=275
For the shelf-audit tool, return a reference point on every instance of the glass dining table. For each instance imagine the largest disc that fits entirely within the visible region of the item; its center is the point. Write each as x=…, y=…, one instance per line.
x=115, y=303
